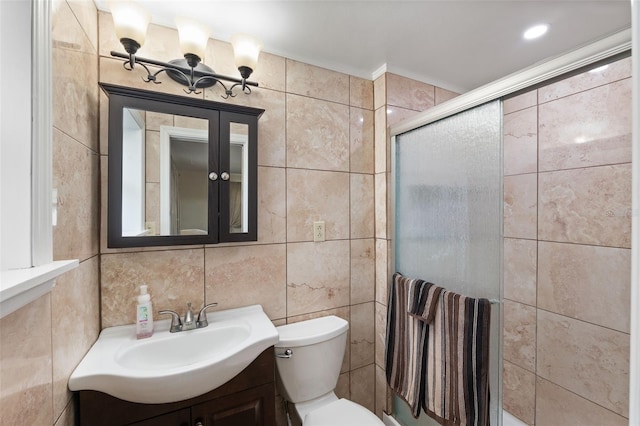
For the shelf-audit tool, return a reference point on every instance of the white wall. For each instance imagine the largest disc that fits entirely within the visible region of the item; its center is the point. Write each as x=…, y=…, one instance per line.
x=634, y=369
x=15, y=134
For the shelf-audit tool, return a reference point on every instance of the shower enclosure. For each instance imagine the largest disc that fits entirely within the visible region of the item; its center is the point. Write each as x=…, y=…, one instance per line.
x=447, y=197
x=448, y=218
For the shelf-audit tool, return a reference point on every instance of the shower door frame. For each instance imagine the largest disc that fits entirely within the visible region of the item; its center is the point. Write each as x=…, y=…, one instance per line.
x=392, y=258
x=602, y=50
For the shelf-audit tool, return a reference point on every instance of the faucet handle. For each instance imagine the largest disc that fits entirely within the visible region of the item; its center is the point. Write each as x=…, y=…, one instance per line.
x=176, y=322
x=202, y=316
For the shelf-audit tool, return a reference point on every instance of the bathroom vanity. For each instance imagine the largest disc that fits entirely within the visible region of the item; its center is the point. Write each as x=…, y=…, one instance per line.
x=247, y=399
x=218, y=375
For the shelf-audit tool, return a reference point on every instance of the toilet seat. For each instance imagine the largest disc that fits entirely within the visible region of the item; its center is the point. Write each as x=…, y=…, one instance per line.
x=342, y=413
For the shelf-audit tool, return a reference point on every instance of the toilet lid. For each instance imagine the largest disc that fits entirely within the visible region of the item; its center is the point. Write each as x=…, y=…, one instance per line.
x=342, y=413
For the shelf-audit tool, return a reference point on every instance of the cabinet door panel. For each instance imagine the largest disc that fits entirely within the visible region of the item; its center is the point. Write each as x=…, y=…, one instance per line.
x=254, y=406
x=239, y=177
x=176, y=418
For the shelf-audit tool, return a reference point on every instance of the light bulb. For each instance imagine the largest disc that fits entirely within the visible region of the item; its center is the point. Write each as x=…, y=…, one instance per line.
x=246, y=51
x=130, y=20
x=193, y=37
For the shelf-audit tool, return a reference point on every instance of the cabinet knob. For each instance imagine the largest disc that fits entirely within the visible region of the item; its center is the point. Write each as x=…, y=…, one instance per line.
x=213, y=176
x=225, y=176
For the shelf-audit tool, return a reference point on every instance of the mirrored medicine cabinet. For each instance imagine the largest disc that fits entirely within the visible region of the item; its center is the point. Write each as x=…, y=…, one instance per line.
x=181, y=170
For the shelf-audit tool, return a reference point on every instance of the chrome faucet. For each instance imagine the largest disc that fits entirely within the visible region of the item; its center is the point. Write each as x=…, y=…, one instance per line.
x=188, y=323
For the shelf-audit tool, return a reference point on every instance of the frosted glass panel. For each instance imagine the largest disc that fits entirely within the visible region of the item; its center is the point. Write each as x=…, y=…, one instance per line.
x=448, y=216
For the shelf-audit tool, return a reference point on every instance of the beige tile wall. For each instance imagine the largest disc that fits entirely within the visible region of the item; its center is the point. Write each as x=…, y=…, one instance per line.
x=316, y=162
x=567, y=230
x=322, y=157
x=44, y=341
x=395, y=99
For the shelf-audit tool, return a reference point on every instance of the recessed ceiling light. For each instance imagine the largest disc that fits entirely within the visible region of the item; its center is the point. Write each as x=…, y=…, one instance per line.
x=535, y=31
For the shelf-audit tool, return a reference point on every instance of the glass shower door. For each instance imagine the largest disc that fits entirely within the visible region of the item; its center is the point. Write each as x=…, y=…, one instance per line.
x=448, y=218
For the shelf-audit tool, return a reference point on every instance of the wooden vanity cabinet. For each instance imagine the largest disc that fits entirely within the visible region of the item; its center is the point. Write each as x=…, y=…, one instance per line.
x=243, y=408
x=177, y=418
x=247, y=399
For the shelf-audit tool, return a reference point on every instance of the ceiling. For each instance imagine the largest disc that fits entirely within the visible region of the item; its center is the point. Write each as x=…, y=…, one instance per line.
x=459, y=45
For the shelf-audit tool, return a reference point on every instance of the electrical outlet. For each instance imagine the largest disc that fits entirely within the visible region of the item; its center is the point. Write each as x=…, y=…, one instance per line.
x=318, y=231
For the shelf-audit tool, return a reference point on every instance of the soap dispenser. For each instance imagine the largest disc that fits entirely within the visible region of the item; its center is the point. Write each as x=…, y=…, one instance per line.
x=144, y=314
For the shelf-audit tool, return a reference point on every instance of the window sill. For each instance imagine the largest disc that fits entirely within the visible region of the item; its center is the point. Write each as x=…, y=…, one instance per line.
x=18, y=287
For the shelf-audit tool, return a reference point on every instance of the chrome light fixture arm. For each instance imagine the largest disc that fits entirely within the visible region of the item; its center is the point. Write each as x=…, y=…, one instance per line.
x=130, y=64
x=189, y=76
x=228, y=92
x=244, y=87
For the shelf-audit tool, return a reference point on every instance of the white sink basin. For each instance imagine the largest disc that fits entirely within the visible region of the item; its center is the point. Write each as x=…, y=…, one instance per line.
x=192, y=348
x=169, y=367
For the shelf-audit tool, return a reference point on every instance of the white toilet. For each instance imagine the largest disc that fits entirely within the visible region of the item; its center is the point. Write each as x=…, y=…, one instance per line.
x=308, y=359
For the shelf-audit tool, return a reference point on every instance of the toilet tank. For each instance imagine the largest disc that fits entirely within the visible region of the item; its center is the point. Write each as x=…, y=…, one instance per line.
x=317, y=347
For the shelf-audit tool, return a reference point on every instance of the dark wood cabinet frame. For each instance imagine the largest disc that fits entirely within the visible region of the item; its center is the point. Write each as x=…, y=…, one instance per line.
x=219, y=116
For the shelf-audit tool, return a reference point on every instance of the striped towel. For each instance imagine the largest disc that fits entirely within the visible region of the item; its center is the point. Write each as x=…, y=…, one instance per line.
x=423, y=300
x=456, y=376
x=406, y=336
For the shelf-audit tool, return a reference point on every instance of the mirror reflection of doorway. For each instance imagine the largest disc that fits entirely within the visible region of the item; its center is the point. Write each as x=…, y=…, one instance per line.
x=238, y=185
x=133, y=173
x=189, y=185
x=184, y=169
x=184, y=164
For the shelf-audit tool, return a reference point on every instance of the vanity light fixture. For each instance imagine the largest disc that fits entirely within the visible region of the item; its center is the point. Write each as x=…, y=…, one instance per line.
x=131, y=20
